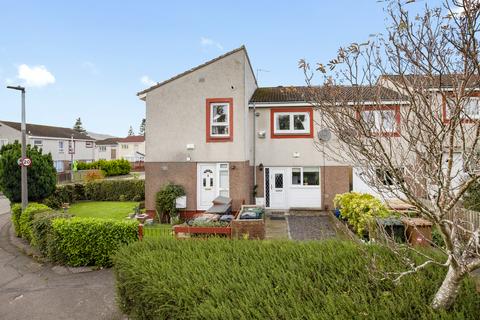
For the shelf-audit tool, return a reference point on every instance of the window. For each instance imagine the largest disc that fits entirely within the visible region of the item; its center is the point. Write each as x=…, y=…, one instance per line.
x=309, y=176
x=382, y=121
x=223, y=180
x=291, y=123
x=387, y=178
x=102, y=148
x=61, y=148
x=37, y=143
x=219, y=120
x=470, y=109
x=3, y=142
x=59, y=166
x=124, y=146
x=88, y=144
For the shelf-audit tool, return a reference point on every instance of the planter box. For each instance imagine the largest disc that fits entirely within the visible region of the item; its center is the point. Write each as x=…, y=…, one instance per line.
x=253, y=228
x=202, y=230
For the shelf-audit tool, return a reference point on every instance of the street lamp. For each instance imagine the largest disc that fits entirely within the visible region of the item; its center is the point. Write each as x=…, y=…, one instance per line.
x=24, y=148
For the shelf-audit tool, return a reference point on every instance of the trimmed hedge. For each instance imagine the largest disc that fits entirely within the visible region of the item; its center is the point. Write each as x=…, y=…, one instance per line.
x=65, y=194
x=16, y=210
x=225, y=279
x=42, y=232
x=26, y=218
x=115, y=190
x=109, y=167
x=89, y=241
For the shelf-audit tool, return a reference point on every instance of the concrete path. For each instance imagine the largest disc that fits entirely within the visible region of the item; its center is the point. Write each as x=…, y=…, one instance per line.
x=31, y=290
x=310, y=227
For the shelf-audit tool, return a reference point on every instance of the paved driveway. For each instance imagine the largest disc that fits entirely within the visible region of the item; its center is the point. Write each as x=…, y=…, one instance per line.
x=30, y=290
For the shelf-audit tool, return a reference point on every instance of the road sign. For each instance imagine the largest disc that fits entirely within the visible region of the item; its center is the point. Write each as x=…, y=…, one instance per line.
x=26, y=162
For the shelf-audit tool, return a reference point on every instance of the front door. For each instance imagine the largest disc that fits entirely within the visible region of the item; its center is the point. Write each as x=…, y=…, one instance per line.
x=278, y=198
x=113, y=154
x=207, y=185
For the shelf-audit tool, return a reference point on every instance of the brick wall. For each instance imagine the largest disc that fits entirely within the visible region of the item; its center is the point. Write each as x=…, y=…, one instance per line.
x=255, y=229
x=337, y=180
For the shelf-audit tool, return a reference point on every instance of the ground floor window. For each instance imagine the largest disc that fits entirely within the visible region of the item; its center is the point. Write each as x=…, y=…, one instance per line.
x=59, y=166
x=308, y=176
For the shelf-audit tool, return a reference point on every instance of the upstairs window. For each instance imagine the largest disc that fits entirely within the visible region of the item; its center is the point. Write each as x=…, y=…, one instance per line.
x=88, y=144
x=61, y=147
x=124, y=146
x=219, y=120
x=382, y=120
x=469, y=109
x=37, y=143
x=102, y=148
x=292, y=123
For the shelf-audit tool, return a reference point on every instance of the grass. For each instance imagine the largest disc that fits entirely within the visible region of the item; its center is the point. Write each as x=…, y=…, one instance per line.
x=238, y=279
x=103, y=209
x=157, y=231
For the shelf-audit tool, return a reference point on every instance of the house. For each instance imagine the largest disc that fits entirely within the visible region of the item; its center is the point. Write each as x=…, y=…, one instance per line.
x=64, y=144
x=212, y=130
x=131, y=148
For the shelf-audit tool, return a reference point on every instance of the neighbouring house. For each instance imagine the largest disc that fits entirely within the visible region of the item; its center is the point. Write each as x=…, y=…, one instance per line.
x=212, y=130
x=131, y=148
x=64, y=144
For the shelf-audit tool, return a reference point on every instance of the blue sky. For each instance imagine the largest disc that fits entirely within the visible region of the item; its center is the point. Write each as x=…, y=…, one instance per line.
x=95, y=54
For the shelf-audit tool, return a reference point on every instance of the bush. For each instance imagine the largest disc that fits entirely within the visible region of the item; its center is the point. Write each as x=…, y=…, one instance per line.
x=16, y=209
x=224, y=279
x=42, y=176
x=115, y=190
x=471, y=199
x=165, y=201
x=89, y=241
x=360, y=210
x=26, y=218
x=42, y=232
x=109, y=167
x=94, y=175
x=65, y=194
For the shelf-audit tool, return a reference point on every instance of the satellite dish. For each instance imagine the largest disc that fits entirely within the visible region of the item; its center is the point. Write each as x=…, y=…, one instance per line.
x=324, y=135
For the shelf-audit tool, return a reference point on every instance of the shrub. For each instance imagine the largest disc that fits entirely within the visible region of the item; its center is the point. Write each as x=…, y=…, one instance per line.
x=65, y=194
x=42, y=232
x=165, y=202
x=42, y=176
x=26, y=218
x=94, y=175
x=113, y=190
x=16, y=209
x=360, y=210
x=471, y=199
x=110, y=167
x=224, y=279
x=89, y=241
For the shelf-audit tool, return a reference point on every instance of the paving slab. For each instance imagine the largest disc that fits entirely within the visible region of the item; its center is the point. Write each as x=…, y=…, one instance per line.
x=310, y=227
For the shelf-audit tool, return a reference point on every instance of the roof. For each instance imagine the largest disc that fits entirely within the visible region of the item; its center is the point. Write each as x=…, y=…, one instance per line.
x=132, y=139
x=303, y=93
x=159, y=84
x=108, y=141
x=38, y=130
x=443, y=81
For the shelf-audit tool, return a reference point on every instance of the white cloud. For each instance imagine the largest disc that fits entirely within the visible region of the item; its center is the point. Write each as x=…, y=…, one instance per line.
x=90, y=66
x=36, y=76
x=207, y=42
x=147, y=81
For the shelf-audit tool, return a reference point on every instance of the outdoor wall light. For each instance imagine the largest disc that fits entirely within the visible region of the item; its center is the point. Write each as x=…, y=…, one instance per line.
x=260, y=167
x=261, y=134
x=190, y=147
x=296, y=154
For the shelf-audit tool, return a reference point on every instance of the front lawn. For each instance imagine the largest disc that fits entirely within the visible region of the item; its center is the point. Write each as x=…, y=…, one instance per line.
x=103, y=209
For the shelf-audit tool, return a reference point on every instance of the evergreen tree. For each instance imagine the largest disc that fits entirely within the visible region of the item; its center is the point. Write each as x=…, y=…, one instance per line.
x=142, y=128
x=130, y=131
x=78, y=126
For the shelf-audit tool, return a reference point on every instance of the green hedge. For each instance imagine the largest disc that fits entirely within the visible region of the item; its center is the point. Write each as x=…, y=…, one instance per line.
x=225, y=279
x=89, y=241
x=65, y=194
x=115, y=190
x=42, y=232
x=16, y=209
x=109, y=167
x=26, y=218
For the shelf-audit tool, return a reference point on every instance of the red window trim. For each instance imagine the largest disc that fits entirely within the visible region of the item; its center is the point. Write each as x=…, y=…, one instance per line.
x=230, y=119
x=396, y=108
x=274, y=135
x=444, y=109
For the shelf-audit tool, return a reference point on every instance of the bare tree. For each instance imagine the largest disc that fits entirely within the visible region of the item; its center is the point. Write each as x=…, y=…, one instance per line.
x=404, y=110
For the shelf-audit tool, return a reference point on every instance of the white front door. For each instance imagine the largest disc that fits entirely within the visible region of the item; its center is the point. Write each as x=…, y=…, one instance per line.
x=278, y=197
x=207, y=185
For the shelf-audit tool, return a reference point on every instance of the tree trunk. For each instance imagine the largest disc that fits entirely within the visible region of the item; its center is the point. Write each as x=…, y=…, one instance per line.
x=448, y=291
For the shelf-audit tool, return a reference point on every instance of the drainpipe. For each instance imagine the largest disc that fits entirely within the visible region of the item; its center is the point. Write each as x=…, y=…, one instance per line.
x=254, y=145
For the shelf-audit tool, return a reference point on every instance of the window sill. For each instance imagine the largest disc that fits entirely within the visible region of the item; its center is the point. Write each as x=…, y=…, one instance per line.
x=291, y=135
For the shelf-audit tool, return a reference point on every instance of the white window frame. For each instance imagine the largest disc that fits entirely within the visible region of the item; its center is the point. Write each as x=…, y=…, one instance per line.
x=292, y=129
x=61, y=146
x=223, y=167
x=379, y=126
x=220, y=124
x=466, y=115
x=88, y=144
x=102, y=148
x=3, y=142
x=35, y=144
x=301, y=185
x=124, y=146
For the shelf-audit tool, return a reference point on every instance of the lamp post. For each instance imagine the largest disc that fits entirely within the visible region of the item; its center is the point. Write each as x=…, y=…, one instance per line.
x=24, y=148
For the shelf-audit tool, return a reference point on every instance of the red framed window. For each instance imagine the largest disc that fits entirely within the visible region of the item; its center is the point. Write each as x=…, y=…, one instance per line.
x=291, y=123
x=382, y=120
x=470, y=109
x=219, y=119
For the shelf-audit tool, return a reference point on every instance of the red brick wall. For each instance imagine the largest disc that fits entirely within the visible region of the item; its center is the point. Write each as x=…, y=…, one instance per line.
x=337, y=180
x=255, y=229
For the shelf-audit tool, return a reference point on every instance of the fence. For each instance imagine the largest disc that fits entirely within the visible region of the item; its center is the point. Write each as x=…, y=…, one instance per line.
x=468, y=218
